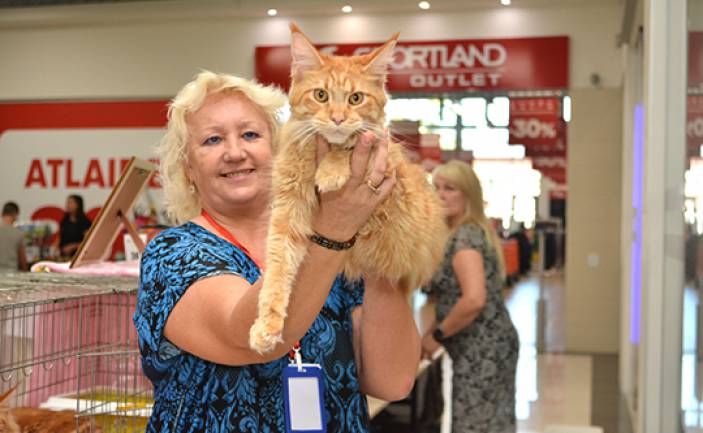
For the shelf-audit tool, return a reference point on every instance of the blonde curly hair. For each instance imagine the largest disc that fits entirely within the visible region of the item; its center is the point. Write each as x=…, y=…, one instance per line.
x=181, y=202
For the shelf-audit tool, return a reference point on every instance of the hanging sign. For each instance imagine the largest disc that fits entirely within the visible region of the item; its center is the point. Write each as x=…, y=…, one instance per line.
x=449, y=65
x=694, y=125
x=537, y=124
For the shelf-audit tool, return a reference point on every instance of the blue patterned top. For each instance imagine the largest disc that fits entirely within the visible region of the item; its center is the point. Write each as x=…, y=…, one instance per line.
x=195, y=395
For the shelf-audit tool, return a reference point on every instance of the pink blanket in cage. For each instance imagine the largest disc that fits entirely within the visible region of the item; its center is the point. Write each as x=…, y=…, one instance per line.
x=129, y=268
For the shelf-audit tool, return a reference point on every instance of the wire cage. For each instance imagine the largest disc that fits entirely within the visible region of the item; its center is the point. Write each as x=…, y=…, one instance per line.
x=67, y=345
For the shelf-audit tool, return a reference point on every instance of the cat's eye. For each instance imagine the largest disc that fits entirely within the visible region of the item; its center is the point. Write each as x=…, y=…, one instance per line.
x=321, y=95
x=356, y=98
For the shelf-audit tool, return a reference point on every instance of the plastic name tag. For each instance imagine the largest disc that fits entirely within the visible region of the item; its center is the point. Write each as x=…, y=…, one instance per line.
x=303, y=392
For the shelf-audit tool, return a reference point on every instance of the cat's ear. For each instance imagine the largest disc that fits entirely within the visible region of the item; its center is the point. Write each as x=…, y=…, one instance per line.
x=380, y=58
x=303, y=53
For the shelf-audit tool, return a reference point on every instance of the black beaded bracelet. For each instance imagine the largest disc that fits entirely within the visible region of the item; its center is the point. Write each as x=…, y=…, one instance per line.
x=332, y=245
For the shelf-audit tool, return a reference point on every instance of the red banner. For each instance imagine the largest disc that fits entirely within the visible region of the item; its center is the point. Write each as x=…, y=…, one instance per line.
x=537, y=124
x=450, y=65
x=695, y=59
x=694, y=125
x=553, y=167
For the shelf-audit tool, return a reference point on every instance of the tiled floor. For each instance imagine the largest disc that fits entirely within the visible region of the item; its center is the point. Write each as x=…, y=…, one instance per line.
x=552, y=388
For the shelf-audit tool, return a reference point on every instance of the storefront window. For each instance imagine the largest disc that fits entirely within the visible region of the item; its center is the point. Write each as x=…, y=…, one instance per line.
x=447, y=137
x=426, y=110
x=478, y=124
x=498, y=112
x=473, y=111
x=692, y=357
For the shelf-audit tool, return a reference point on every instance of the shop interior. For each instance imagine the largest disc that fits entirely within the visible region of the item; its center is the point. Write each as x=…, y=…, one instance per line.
x=562, y=168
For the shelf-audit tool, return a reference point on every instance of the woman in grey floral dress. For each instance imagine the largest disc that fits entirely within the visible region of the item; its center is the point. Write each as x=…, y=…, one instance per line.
x=472, y=322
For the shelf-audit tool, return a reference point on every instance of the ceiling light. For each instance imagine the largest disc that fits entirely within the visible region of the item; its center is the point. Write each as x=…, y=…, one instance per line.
x=424, y=5
x=272, y=12
x=346, y=9
x=505, y=2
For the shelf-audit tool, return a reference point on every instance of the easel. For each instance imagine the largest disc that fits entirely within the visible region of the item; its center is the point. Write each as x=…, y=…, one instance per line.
x=113, y=215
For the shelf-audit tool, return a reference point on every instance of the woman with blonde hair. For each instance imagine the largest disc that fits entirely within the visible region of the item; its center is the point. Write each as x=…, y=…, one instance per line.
x=472, y=322
x=200, y=281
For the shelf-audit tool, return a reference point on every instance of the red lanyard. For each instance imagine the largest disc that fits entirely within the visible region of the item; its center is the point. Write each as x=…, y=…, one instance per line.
x=230, y=237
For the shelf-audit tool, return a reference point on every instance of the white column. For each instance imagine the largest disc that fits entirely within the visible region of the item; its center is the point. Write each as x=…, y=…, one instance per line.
x=662, y=303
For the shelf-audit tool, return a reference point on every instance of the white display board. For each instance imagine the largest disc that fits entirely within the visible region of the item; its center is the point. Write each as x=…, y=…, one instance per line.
x=39, y=168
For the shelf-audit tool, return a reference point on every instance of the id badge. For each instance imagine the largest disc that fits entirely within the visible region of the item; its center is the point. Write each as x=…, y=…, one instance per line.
x=303, y=395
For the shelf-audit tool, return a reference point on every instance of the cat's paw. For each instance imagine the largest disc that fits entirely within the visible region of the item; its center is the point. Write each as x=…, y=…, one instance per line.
x=326, y=182
x=265, y=334
x=334, y=171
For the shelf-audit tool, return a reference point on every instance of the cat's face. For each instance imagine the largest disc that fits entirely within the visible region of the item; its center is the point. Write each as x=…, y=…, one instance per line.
x=338, y=97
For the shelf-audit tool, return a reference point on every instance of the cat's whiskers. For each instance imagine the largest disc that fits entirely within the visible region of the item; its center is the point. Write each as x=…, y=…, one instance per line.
x=301, y=136
x=303, y=130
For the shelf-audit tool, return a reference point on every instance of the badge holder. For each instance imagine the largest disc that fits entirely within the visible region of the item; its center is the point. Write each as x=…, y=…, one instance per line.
x=303, y=391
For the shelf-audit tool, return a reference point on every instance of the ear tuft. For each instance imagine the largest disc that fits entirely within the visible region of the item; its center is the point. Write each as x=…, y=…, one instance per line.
x=303, y=53
x=381, y=57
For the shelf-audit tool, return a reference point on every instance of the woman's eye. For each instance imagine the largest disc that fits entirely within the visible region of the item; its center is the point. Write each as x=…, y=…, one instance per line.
x=356, y=98
x=213, y=140
x=251, y=135
x=321, y=95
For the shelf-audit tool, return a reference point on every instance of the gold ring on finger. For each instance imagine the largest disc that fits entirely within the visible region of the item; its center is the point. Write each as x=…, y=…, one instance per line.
x=374, y=188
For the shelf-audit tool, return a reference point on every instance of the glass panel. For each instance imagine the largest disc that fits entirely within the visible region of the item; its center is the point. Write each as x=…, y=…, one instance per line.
x=473, y=111
x=566, y=108
x=472, y=138
x=449, y=113
x=692, y=358
x=498, y=111
x=447, y=137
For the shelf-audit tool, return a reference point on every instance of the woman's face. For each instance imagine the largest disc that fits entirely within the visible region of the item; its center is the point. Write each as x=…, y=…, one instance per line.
x=229, y=151
x=71, y=205
x=453, y=198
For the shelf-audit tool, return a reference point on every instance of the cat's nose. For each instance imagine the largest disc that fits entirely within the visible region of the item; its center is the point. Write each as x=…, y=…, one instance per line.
x=338, y=120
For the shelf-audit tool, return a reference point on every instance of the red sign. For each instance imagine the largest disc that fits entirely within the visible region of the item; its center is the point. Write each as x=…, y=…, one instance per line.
x=54, y=149
x=695, y=59
x=450, y=65
x=694, y=124
x=537, y=124
x=553, y=167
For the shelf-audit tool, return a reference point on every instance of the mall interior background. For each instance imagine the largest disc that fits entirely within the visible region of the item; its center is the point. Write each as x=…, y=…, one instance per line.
x=131, y=52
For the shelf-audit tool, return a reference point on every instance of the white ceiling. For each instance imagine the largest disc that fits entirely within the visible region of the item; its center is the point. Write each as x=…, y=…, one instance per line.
x=33, y=13
x=292, y=7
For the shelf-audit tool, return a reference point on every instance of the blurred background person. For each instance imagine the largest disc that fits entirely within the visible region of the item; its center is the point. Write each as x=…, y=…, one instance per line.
x=12, y=254
x=472, y=322
x=73, y=227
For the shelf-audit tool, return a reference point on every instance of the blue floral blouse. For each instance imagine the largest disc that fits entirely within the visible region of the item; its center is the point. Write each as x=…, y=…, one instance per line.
x=195, y=395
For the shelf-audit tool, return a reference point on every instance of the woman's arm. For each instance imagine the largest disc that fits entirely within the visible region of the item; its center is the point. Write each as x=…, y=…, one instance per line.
x=213, y=318
x=468, y=268
x=386, y=342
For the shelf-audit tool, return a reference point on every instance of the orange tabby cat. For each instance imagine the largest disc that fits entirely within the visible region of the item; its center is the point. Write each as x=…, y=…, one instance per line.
x=32, y=420
x=7, y=421
x=339, y=98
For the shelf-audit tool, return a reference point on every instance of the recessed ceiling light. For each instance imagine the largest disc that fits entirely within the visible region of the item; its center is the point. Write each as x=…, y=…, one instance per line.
x=346, y=9
x=272, y=12
x=505, y=2
x=424, y=5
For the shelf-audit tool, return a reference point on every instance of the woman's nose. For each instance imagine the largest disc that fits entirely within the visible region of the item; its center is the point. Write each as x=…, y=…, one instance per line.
x=233, y=150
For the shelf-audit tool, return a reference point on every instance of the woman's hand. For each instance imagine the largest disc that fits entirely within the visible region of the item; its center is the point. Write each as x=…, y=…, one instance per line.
x=429, y=345
x=343, y=212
